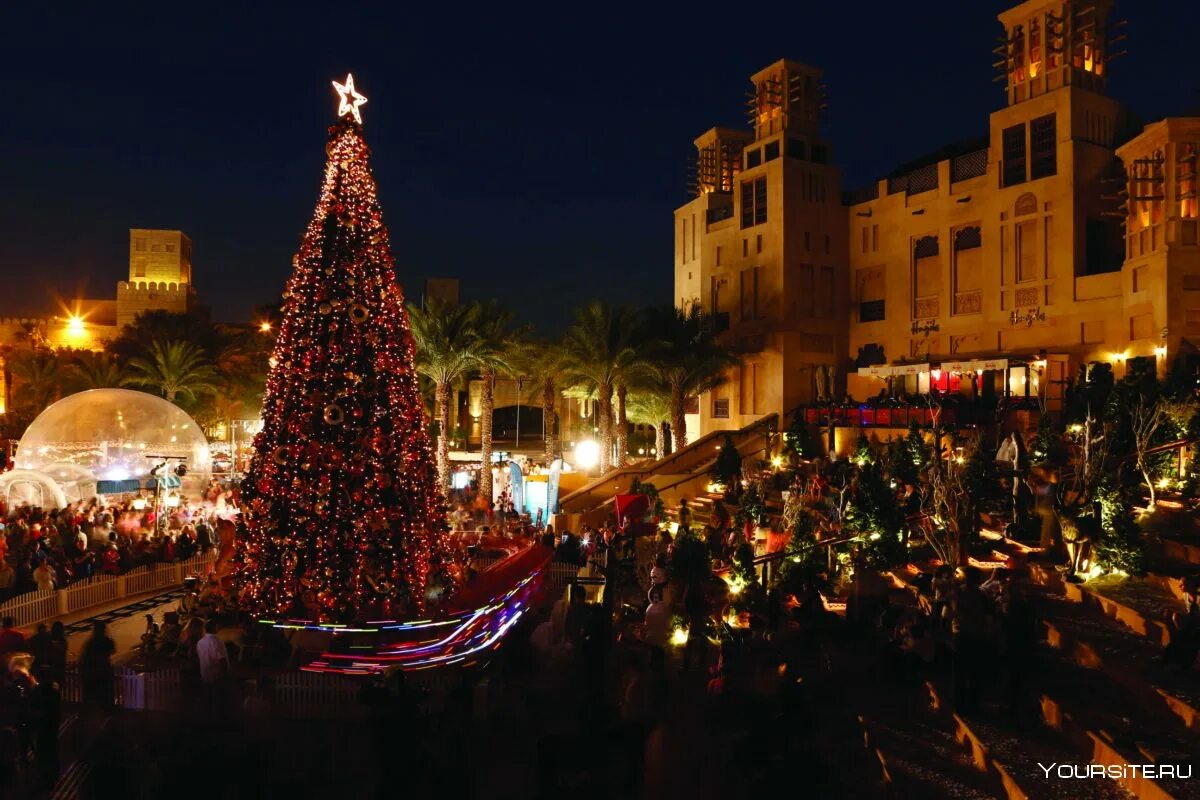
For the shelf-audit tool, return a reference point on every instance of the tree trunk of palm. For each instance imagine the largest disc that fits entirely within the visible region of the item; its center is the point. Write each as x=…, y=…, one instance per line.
x=660, y=440
x=604, y=415
x=171, y=395
x=442, y=401
x=622, y=427
x=550, y=417
x=678, y=420
x=487, y=408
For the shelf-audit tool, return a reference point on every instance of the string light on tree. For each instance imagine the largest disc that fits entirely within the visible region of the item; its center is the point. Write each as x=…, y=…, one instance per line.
x=349, y=99
x=344, y=517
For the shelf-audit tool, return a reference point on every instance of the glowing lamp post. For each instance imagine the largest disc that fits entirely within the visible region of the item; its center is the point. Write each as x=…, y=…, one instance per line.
x=587, y=454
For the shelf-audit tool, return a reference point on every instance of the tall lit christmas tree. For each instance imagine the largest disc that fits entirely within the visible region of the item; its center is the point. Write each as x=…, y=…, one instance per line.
x=344, y=519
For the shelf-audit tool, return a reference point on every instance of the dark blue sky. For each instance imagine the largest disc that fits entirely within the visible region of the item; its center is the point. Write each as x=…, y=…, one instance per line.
x=537, y=155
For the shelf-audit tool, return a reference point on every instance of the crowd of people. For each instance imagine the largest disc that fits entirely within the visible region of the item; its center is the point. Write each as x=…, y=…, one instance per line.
x=46, y=549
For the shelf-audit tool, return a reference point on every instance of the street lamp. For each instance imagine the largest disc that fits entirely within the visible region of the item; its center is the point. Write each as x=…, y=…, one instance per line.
x=587, y=454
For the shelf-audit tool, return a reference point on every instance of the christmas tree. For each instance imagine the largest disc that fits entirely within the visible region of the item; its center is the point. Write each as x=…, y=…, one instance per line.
x=344, y=519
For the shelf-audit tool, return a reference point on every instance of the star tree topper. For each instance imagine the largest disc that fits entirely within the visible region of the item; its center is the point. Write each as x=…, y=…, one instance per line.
x=349, y=99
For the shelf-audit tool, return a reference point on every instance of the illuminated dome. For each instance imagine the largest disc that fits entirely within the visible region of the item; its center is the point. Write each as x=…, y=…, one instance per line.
x=113, y=435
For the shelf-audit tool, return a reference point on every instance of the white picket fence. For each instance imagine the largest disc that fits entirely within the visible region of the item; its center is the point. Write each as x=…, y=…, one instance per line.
x=34, y=607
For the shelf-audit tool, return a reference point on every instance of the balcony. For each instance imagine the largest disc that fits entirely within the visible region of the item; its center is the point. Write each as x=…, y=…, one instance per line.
x=969, y=165
x=899, y=414
x=895, y=416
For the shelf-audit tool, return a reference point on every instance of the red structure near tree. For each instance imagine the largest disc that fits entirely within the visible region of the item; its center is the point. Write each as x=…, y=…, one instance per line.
x=344, y=518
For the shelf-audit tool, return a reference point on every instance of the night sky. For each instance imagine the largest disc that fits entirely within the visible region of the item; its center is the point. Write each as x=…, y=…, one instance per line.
x=535, y=155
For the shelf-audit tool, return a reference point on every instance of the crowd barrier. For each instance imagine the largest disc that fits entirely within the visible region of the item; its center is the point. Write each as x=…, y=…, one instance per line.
x=33, y=607
x=292, y=695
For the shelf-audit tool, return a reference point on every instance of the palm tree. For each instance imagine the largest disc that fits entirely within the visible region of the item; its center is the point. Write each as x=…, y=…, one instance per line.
x=446, y=345
x=90, y=369
x=602, y=352
x=544, y=362
x=38, y=377
x=688, y=360
x=175, y=368
x=650, y=404
x=497, y=347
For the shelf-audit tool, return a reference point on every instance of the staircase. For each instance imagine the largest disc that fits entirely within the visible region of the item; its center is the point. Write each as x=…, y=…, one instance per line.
x=681, y=474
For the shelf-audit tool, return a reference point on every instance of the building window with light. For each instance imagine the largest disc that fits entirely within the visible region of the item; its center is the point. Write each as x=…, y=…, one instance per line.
x=1018, y=55
x=1035, y=47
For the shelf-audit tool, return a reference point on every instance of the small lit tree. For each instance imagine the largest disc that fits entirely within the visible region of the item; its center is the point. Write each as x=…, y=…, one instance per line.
x=798, y=439
x=727, y=468
x=951, y=490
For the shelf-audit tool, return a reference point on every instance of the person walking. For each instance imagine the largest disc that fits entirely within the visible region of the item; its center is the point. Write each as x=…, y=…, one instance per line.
x=96, y=670
x=214, y=661
x=46, y=716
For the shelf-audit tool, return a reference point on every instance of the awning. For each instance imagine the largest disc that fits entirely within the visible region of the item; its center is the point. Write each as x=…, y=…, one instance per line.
x=976, y=365
x=876, y=371
x=118, y=487
x=909, y=369
x=166, y=482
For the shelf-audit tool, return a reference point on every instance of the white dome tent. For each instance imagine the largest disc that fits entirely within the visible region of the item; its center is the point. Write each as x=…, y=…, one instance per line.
x=27, y=487
x=78, y=483
x=113, y=435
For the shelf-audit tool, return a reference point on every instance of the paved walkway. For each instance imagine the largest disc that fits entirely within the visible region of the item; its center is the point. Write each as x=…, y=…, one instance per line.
x=126, y=620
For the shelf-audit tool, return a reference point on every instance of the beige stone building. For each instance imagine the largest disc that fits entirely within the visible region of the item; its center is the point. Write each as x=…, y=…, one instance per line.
x=763, y=248
x=160, y=274
x=993, y=269
x=160, y=277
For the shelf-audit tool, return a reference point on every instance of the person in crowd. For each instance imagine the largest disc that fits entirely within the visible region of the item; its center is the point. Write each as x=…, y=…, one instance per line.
x=658, y=579
x=685, y=515
x=1184, y=645
x=11, y=639
x=45, y=705
x=96, y=670
x=1018, y=639
x=151, y=635
x=43, y=577
x=56, y=652
x=970, y=630
x=39, y=644
x=696, y=608
x=213, y=658
x=8, y=579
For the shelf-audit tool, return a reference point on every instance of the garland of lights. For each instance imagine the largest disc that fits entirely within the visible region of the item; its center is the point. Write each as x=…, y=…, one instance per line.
x=344, y=519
